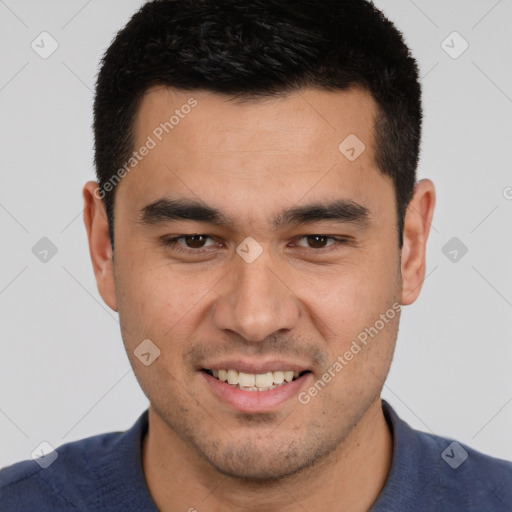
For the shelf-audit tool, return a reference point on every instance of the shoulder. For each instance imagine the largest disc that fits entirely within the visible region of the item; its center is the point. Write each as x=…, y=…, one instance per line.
x=442, y=474
x=57, y=481
x=468, y=477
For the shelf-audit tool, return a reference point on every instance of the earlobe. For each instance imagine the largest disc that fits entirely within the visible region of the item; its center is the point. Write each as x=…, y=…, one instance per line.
x=100, y=248
x=417, y=223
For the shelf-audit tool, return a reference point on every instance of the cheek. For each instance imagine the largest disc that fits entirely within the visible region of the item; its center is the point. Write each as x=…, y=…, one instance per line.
x=159, y=302
x=352, y=296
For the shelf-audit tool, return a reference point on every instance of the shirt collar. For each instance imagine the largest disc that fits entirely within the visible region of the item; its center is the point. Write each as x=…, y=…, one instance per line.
x=405, y=480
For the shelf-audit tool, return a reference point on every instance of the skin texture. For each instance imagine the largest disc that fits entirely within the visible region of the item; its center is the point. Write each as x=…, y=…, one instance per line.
x=297, y=303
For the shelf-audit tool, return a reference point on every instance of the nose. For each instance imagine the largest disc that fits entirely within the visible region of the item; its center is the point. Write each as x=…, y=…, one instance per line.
x=255, y=301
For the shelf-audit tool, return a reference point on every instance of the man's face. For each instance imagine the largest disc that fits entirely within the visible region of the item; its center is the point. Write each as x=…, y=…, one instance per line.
x=286, y=300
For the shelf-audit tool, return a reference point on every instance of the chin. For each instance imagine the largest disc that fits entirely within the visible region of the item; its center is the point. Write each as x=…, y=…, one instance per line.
x=262, y=464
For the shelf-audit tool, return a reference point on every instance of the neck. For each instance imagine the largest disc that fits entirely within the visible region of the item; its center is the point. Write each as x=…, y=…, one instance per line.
x=350, y=478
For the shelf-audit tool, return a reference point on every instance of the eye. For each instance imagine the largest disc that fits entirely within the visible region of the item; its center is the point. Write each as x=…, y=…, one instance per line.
x=319, y=241
x=189, y=242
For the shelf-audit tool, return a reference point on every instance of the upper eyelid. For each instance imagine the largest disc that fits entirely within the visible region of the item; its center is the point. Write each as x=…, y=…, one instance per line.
x=213, y=237
x=179, y=237
x=336, y=238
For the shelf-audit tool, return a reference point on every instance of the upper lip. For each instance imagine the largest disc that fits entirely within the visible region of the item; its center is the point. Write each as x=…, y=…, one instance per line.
x=256, y=367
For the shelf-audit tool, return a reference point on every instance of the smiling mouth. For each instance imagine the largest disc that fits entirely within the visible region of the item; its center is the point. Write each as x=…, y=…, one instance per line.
x=255, y=381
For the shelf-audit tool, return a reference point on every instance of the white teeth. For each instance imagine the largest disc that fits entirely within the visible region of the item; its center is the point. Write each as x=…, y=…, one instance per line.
x=278, y=377
x=246, y=380
x=232, y=377
x=255, y=382
x=264, y=380
x=288, y=376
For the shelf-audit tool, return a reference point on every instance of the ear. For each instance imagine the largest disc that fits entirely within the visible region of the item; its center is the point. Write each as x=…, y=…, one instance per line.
x=417, y=223
x=100, y=248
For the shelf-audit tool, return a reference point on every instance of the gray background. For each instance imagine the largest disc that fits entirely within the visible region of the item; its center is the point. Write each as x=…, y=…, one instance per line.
x=63, y=371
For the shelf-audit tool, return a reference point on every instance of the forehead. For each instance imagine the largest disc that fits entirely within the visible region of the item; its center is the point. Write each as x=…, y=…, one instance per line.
x=255, y=154
x=273, y=123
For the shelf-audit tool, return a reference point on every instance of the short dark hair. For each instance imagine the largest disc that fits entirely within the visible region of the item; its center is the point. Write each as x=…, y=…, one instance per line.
x=258, y=48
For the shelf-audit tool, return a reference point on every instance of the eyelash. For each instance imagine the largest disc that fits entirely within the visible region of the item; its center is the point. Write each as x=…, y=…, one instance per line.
x=176, y=246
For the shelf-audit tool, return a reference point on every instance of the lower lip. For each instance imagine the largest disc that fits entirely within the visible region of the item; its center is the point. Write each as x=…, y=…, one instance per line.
x=255, y=401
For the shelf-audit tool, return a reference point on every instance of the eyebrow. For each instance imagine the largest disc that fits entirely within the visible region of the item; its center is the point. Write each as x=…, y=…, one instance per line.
x=340, y=210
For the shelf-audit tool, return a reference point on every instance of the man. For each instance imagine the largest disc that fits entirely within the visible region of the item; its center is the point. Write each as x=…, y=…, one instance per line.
x=257, y=225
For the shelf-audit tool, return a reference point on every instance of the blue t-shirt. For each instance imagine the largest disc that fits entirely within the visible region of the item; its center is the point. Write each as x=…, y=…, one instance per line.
x=104, y=473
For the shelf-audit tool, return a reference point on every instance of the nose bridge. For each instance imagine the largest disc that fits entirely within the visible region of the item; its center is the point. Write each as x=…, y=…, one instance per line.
x=256, y=302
